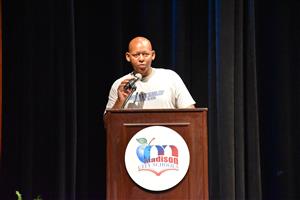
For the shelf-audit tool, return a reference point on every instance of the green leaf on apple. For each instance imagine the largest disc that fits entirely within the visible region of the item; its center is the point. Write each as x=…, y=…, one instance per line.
x=142, y=140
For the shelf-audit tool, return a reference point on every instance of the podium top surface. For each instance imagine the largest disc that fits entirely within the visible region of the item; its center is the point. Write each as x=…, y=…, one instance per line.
x=155, y=110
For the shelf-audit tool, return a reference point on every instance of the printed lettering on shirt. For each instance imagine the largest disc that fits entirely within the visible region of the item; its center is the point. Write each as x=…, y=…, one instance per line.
x=142, y=97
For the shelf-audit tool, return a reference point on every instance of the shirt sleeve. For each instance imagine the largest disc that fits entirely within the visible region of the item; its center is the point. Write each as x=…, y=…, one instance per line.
x=113, y=96
x=113, y=93
x=183, y=97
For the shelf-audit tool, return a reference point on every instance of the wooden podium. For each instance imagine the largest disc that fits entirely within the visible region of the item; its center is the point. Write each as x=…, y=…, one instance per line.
x=121, y=125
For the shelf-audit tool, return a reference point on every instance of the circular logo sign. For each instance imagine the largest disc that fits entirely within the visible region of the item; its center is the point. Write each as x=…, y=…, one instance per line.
x=157, y=158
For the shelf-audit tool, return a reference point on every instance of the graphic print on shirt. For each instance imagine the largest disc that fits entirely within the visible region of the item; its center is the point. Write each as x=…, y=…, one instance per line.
x=138, y=99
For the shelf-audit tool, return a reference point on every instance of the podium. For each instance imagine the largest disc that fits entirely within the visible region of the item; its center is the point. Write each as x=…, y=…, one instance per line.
x=121, y=125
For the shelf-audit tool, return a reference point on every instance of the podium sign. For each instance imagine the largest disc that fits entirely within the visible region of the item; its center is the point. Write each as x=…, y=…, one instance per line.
x=144, y=162
x=157, y=158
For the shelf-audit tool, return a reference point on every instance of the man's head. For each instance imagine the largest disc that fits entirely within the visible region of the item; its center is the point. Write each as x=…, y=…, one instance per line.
x=140, y=55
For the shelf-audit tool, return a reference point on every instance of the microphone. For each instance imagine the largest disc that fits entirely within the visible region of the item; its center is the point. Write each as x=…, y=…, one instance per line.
x=131, y=83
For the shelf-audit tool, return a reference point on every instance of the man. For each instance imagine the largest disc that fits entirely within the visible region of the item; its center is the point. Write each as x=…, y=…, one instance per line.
x=158, y=88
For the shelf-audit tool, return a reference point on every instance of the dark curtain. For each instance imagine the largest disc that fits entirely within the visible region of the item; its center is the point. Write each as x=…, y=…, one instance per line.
x=278, y=58
x=239, y=58
x=43, y=104
x=234, y=143
x=60, y=59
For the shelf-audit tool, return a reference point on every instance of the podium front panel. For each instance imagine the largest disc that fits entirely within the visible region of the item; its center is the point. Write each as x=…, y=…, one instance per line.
x=122, y=125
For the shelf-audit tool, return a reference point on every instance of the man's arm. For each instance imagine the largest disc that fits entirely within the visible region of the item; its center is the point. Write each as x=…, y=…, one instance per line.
x=122, y=94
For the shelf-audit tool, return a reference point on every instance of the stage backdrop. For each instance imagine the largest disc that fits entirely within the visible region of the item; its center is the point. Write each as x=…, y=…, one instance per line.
x=0, y=79
x=239, y=58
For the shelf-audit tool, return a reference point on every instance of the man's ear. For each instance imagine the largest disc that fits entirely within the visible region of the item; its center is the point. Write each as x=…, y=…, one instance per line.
x=153, y=54
x=127, y=56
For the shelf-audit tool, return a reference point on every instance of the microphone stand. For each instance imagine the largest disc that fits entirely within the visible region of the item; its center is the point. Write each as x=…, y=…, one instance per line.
x=126, y=100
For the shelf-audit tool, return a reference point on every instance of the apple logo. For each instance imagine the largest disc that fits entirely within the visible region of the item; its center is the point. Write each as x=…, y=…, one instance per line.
x=152, y=158
x=143, y=151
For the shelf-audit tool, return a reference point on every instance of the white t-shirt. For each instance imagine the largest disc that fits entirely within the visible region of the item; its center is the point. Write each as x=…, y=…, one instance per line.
x=163, y=88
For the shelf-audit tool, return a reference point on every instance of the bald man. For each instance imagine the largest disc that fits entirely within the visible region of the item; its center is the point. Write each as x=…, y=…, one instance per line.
x=158, y=87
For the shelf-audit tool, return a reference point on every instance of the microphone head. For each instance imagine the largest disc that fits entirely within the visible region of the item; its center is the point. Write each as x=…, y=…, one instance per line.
x=131, y=83
x=138, y=76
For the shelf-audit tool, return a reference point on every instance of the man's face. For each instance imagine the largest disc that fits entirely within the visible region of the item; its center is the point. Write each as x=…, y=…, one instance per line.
x=140, y=56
